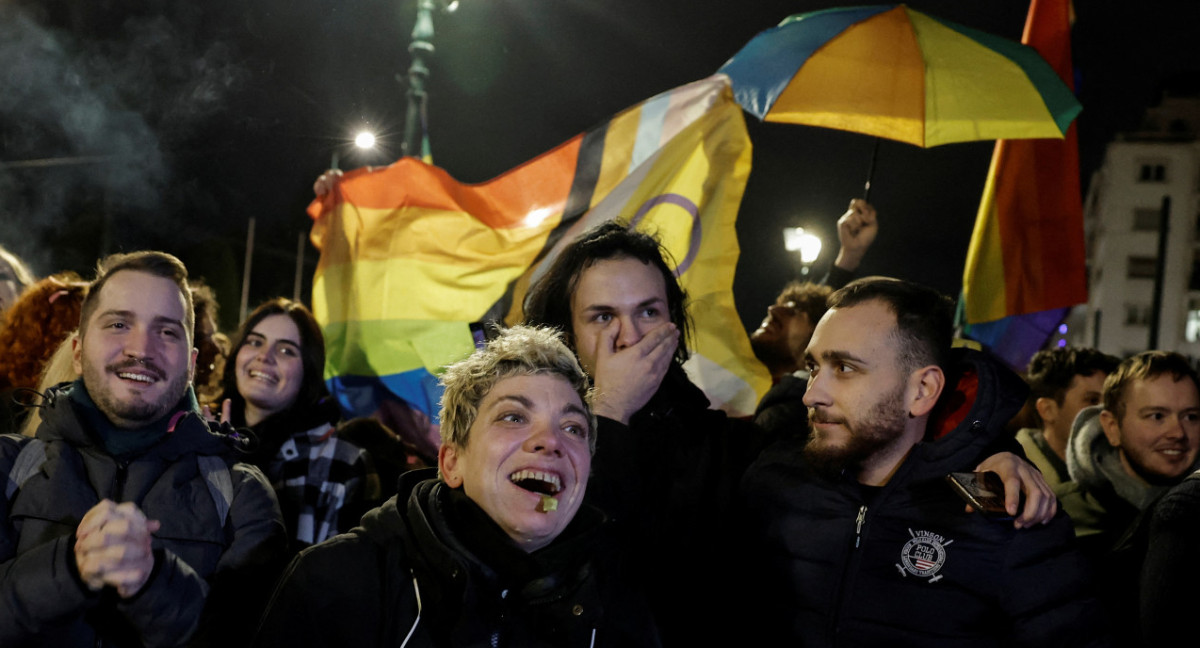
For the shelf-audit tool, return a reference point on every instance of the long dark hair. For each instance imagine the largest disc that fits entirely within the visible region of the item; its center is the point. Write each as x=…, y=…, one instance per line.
x=312, y=355
x=548, y=302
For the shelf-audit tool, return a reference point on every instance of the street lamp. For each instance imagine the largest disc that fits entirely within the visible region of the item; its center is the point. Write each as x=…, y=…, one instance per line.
x=365, y=140
x=806, y=244
x=420, y=47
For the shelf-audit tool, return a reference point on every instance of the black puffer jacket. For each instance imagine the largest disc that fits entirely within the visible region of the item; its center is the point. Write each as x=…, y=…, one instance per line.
x=844, y=565
x=430, y=565
x=669, y=481
x=208, y=574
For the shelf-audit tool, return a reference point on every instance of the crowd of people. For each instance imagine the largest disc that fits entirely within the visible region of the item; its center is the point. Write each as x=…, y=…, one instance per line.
x=169, y=485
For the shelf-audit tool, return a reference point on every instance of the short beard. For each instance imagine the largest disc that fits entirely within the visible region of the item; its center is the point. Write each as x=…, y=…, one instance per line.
x=883, y=424
x=134, y=414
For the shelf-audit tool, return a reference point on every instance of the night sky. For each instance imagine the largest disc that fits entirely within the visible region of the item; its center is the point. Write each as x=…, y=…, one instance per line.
x=130, y=124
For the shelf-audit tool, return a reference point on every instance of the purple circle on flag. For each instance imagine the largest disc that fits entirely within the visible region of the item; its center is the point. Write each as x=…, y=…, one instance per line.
x=691, y=208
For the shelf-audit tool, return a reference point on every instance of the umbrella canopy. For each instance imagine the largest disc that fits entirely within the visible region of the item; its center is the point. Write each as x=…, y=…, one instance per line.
x=894, y=72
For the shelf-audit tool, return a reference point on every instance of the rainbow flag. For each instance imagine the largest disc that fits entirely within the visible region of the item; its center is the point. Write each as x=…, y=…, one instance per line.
x=410, y=257
x=1027, y=251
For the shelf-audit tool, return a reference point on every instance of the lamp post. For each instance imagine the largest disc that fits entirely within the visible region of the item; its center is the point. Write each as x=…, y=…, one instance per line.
x=420, y=47
x=805, y=244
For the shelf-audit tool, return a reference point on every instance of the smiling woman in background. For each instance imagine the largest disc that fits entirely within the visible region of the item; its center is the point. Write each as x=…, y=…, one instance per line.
x=273, y=384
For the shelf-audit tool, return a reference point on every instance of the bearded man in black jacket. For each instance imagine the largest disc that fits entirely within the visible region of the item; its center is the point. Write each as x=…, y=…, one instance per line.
x=855, y=536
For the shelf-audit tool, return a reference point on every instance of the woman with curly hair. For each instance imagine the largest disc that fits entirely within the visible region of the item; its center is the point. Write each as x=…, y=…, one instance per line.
x=45, y=314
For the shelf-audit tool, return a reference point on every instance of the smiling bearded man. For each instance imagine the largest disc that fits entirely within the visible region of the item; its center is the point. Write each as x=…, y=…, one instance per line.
x=128, y=519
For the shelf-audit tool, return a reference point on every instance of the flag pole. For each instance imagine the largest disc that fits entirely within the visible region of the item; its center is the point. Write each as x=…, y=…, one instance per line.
x=246, y=272
x=871, y=171
x=296, y=284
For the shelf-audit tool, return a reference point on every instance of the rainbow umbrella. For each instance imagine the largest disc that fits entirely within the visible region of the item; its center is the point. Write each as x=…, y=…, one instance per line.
x=897, y=73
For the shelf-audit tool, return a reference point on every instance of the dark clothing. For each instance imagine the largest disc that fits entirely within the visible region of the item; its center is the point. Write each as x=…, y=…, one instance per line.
x=840, y=564
x=430, y=562
x=1109, y=509
x=782, y=410
x=210, y=576
x=668, y=481
x=1170, y=578
x=1103, y=500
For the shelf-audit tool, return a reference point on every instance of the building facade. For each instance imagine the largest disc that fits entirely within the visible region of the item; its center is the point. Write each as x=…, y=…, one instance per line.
x=1143, y=205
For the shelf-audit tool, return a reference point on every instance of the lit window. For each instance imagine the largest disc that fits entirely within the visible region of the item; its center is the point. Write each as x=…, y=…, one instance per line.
x=1192, y=328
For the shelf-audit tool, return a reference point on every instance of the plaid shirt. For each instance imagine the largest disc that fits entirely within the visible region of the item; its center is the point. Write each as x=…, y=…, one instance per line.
x=318, y=477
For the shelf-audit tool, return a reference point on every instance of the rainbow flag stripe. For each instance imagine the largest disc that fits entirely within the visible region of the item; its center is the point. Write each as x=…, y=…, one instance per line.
x=1027, y=251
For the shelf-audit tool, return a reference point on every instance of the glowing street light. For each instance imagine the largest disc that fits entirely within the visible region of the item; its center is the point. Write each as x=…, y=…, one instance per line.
x=365, y=140
x=804, y=242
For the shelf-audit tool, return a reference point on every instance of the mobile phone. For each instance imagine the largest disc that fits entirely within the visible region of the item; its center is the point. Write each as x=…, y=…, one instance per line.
x=482, y=332
x=982, y=490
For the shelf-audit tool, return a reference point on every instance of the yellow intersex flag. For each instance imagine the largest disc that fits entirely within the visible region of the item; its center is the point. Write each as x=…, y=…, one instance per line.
x=410, y=257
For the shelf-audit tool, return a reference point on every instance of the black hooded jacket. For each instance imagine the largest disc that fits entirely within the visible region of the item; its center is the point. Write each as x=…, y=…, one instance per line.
x=430, y=566
x=669, y=481
x=903, y=565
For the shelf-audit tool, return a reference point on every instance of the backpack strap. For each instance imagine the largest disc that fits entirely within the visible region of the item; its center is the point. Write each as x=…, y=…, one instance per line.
x=220, y=484
x=216, y=475
x=27, y=463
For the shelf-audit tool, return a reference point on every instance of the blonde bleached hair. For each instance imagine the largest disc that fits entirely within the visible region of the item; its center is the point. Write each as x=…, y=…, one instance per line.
x=516, y=351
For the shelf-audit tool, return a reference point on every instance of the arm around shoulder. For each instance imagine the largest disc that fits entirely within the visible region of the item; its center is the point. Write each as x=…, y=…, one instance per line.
x=1050, y=592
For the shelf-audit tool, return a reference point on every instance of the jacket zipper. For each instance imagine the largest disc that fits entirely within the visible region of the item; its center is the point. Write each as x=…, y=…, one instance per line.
x=850, y=567
x=858, y=524
x=118, y=488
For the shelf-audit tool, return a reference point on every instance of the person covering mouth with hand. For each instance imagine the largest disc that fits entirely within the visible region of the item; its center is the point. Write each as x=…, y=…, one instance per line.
x=494, y=548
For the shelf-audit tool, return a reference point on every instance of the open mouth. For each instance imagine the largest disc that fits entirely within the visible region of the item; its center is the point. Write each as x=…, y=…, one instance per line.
x=537, y=481
x=258, y=375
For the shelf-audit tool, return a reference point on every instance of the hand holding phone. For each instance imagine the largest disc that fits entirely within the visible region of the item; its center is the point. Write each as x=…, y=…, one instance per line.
x=982, y=490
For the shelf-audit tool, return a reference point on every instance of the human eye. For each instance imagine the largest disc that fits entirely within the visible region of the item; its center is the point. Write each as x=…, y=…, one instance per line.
x=511, y=417
x=1191, y=417
x=289, y=351
x=811, y=367
x=651, y=312
x=253, y=342
x=843, y=368
x=1155, y=416
x=577, y=429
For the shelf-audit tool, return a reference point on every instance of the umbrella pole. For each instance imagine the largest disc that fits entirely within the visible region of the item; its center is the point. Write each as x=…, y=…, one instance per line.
x=871, y=171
